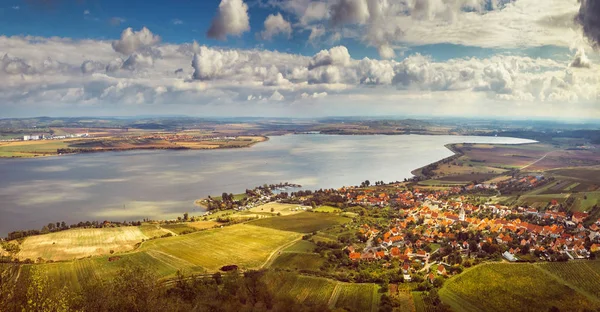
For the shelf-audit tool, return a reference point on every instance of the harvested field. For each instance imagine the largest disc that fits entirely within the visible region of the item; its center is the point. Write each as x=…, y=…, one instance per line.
x=275, y=208
x=78, y=243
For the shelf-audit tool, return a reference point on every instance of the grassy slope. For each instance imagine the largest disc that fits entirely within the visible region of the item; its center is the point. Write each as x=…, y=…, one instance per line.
x=244, y=245
x=304, y=222
x=510, y=287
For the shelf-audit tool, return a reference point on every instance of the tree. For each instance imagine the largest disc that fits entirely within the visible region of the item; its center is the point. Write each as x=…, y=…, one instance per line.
x=185, y=216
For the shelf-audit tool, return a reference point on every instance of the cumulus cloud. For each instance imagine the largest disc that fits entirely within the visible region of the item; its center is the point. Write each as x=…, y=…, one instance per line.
x=335, y=56
x=275, y=25
x=138, y=61
x=47, y=72
x=132, y=41
x=231, y=19
x=315, y=11
x=90, y=66
x=589, y=17
x=581, y=60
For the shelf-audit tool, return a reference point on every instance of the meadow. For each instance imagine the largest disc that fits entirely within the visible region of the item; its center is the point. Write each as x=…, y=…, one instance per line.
x=511, y=287
x=308, y=290
x=304, y=222
x=298, y=261
x=78, y=243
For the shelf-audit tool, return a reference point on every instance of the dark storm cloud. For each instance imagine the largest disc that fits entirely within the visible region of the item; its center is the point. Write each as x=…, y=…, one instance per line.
x=589, y=18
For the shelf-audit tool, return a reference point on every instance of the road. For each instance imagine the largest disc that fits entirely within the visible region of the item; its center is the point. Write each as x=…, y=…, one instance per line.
x=535, y=162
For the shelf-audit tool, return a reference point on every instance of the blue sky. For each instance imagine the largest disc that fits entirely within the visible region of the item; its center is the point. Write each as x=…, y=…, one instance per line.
x=282, y=57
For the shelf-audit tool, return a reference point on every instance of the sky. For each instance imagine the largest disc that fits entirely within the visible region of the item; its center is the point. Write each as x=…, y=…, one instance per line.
x=301, y=58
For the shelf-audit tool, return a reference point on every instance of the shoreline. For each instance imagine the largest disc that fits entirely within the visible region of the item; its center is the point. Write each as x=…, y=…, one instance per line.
x=261, y=139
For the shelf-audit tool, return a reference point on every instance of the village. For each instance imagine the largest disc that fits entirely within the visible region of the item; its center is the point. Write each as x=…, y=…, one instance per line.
x=435, y=232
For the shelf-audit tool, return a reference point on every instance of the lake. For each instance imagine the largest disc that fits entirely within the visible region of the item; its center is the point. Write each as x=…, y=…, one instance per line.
x=164, y=184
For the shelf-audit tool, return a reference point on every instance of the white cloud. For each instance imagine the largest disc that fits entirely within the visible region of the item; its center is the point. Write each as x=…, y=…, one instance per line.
x=62, y=75
x=177, y=21
x=132, y=41
x=581, y=60
x=275, y=25
x=231, y=19
x=276, y=96
x=16, y=7
x=86, y=12
x=335, y=56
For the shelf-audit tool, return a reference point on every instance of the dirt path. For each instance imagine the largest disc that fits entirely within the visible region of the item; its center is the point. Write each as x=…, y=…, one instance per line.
x=277, y=251
x=535, y=162
x=334, y=296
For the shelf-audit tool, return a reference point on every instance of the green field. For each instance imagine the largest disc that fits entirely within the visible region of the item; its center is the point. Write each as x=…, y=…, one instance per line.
x=307, y=290
x=177, y=228
x=31, y=148
x=244, y=245
x=78, y=243
x=581, y=275
x=585, y=201
x=298, y=261
x=304, y=222
x=327, y=209
x=301, y=246
x=358, y=297
x=511, y=287
x=152, y=230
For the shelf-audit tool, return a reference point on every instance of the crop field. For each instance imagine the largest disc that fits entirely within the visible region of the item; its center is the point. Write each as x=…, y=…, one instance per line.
x=503, y=156
x=585, y=201
x=567, y=158
x=358, y=297
x=418, y=301
x=539, y=201
x=245, y=245
x=468, y=177
x=524, y=287
x=31, y=148
x=298, y=261
x=305, y=222
x=584, y=275
x=307, y=290
x=73, y=273
x=202, y=225
x=177, y=228
x=152, y=230
x=78, y=243
x=591, y=175
x=275, y=208
x=301, y=246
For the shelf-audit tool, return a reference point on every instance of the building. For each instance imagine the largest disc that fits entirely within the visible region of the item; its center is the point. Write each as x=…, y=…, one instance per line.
x=508, y=256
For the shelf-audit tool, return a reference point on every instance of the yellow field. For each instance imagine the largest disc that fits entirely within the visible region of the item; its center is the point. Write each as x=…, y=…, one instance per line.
x=79, y=243
x=284, y=209
x=32, y=148
x=245, y=245
x=201, y=225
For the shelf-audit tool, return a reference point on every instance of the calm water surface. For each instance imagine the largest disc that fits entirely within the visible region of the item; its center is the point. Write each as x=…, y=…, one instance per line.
x=164, y=184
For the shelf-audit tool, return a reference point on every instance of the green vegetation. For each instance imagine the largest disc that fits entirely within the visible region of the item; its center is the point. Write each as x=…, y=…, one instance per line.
x=152, y=230
x=326, y=209
x=245, y=245
x=301, y=246
x=298, y=261
x=358, y=297
x=307, y=290
x=178, y=228
x=305, y=222
x=581, y=275
x=511, y=287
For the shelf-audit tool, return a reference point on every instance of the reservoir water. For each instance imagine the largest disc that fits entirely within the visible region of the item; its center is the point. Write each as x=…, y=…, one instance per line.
x=164, y=184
